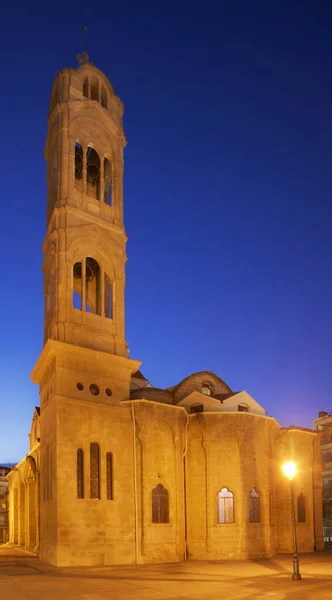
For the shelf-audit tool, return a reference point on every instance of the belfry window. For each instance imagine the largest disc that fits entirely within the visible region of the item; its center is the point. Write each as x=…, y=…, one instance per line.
x=254, y=506
x=103, y=97
x=109, y=476
x=86, y=290
x=80, y=473
x=94, y=471
x=301, y=518
x=225, y=504
x=94, y=94
x=78, y=167
x=107, y=182
x=160, y=504
x=92, y=173
x=86, y=87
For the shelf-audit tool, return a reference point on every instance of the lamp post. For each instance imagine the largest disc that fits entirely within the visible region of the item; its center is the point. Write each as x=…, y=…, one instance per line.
x=289, y=470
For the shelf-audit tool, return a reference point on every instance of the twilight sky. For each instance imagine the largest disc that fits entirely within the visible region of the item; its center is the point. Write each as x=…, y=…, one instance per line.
x=227, y=191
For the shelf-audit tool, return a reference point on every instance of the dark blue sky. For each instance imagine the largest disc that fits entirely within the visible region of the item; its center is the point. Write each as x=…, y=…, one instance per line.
x=227, y=191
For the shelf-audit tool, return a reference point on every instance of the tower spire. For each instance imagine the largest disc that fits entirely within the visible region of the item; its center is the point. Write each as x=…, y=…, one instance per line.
x=84, y=57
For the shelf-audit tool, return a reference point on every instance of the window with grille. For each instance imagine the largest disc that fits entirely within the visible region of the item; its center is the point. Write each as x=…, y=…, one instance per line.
x=225, y=500
x=160, y=504
x=254, y=506
x=109, y=476
x=94, y=471
x=301, y=509
x=80, y=474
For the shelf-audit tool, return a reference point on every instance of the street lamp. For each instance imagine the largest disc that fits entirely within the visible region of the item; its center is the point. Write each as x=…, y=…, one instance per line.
x=289, y=470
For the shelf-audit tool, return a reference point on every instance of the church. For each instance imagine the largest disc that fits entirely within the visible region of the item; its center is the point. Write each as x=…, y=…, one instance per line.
x=118, y=471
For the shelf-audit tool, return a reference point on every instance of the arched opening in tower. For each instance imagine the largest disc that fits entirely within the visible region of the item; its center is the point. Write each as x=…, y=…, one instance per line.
x=93, y=173
x=94, y=89
x=87, y=293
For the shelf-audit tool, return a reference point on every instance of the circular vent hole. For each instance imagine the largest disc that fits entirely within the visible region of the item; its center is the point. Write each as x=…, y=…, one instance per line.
x=94, y=389
x=80, y=386
x=108, y=392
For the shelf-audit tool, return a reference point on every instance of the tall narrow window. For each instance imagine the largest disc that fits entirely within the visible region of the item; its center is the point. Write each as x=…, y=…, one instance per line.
x=160, y=504
x=108, y=297
x=94, y=471
x=103, y=97
x=109, y=476
x=80, y=473
x=225, y=499
x=254, y=506
x=301, y=509
x=93, y=303
x=78, y=167
x=86, y=87
x=92, y=173
x=94, y=89
x=107, y=182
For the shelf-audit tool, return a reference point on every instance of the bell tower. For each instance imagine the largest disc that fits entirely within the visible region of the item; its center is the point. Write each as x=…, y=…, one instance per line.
x=84, y=247
x=83, y=370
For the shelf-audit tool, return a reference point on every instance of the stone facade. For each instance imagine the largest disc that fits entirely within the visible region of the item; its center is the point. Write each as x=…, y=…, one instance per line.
x=323, y=424
x=4, y=531
x=118, y=471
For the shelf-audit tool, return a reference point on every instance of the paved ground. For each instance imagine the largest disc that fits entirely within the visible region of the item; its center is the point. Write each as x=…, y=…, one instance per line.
x=24, y=577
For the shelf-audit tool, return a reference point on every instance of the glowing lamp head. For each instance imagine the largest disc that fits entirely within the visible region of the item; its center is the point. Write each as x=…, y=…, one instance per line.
x=289, y=469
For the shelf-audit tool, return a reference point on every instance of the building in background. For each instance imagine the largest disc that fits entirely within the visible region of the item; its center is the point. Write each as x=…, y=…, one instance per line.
x=324, y=424
x=119, y=471
x=4, y=532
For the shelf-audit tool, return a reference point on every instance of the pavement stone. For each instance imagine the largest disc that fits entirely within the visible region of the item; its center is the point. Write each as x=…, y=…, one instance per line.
x=24, y=577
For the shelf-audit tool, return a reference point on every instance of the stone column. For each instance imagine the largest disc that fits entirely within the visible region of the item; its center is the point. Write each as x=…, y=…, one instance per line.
x=31, y=512
x=21, y=516
x=101, y=182
x=84, y=150
x=14, y=534
x=102, y=291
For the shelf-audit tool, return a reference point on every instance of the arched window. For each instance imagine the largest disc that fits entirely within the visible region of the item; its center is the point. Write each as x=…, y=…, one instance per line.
x=107, y=182
x=78, y=167
x=160, y=504
x=301, y=517
x=243, y=407
x=94, y=94
x=86, y=87
x=196, y=408
x=254, y=506
x=225, y=500
x=94, y=471
x=80, y=473
x=109, y=476
x=92, y=173
x=103, y=97
x=92, y=300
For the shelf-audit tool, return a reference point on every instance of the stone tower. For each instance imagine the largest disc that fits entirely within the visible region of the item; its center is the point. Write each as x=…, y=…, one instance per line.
x=83, y=369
